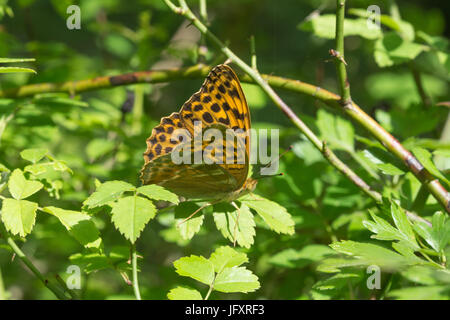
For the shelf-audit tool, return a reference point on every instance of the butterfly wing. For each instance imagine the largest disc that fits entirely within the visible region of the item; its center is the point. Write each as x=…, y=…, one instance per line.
x=219, y=103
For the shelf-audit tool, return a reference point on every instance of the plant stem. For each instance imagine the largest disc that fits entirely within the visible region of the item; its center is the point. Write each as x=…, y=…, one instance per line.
x=340, y=64
x=135, y=272
x=52, y=287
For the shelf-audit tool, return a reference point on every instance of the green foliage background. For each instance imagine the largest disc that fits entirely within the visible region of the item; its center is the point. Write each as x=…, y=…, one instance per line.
x=91, y=139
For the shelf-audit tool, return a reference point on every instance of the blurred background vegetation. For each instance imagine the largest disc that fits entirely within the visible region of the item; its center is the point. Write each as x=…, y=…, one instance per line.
x=103, y=137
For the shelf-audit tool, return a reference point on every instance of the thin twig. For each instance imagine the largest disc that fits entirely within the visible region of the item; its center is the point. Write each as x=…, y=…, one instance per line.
x=137, y=293
x=59, y=293
x=339, y=60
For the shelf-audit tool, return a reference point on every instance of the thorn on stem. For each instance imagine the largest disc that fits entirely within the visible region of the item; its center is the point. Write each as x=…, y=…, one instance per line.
x=337, y=55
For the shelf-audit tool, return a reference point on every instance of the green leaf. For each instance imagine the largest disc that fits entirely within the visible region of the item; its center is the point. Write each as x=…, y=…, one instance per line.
x=19, y=216
x=401, y=26
x=156, y=192
x=368, y=254
x=34, y=154
x=236, y=279
x=195, y=267
x=14, y=60
x=421, y=293
x=324, y=26
x=37, y=169
x=180, y=293
x=424, y=156
x=16, y=70
x=385, y=231
x=337, y=132
x=97, y=148
x=59, y=165
x=131, y=214
x=21, y=188
x=438, y=235
x=189, y=228
x=383, y=161
x=276, y=216
x=330, y=287
x=393, y=49
x=107, y=192
x=426, y=275
x=225, y=216
x=79, y=224
x=116, y=259
x=402, y=223
x=227, y=257
x=291, y=258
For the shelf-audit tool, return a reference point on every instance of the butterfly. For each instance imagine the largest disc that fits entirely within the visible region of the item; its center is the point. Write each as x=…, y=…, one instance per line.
x=219, y=104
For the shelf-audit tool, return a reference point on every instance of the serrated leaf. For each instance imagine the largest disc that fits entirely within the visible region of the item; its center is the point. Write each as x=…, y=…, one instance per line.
x=21, y=188
x=227, y=257
x=276, y=216
x=402, y=223
x=131, y=214
x=79, y=224
x=107, y=192
x=195, y=267
x=156, y=192
x=424, y=156
x=436, y=236
x=19, y=216
x=225, y=217
x=385, y=231
x=34, y=154
x=236, y=279
x=369, y=254
x=190, y=227
x=180, y=293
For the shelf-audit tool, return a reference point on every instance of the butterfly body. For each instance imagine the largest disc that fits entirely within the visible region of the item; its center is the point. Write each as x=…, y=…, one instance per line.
x=220, y=105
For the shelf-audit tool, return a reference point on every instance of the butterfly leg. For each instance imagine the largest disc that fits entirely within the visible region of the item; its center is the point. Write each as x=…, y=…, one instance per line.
x=193, y=214
x=236, y=222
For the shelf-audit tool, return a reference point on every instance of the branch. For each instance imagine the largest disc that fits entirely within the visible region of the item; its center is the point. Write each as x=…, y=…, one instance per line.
x=331, y=99
x=433, y=185
x=253, y=73
x=339, y=54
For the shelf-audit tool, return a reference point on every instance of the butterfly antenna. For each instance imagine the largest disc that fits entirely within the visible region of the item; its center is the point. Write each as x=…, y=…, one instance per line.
x=193, y=214
x=270, y=163
x=236, y=223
